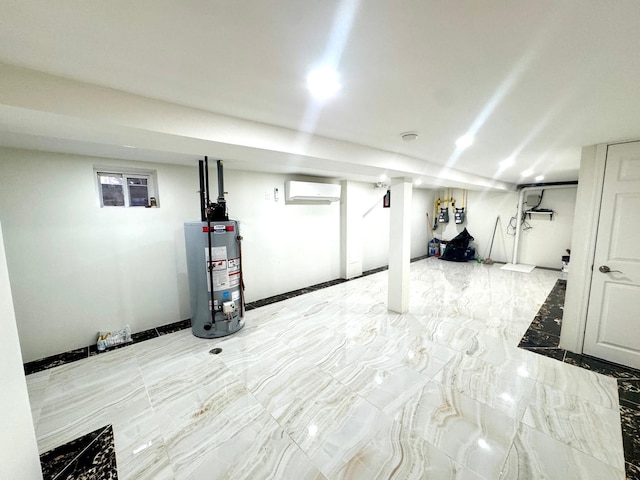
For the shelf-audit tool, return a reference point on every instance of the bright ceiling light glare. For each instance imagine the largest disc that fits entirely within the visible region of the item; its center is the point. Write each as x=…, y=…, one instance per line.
x=539, y=178
x=383, y=178
x=323, y=83
x=527, y=173
x=464, y=141
x=418, y=182
x=507, y=162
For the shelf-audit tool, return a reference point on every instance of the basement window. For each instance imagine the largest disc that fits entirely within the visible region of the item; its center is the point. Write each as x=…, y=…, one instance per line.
x=127, y=188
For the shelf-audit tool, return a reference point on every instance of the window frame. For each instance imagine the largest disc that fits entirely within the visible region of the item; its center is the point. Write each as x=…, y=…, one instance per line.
x=125, y=173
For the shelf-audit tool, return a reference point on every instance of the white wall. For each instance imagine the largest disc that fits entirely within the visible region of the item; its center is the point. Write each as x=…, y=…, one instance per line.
x=543, y=245
x=375, y=251
x=285, y=246
x=375, y=225
x=18, y=449
x=421, y=203
x=77, y=269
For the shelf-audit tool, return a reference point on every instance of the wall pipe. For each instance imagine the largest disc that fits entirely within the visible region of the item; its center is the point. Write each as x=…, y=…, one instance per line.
x=554, y=186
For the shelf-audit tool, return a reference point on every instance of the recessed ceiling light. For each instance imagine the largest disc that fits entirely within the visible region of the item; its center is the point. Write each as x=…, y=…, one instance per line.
x=527, y=173
x=383, y=178
x=539, y=178
x=507, y=162
x=323, y=83
x=464, y=141
x=418, y=182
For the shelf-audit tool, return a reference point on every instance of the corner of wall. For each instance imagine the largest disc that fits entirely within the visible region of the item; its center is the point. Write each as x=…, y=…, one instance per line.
x=588, y=199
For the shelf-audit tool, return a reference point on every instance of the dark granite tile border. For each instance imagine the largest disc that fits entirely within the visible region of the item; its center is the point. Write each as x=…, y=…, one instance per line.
x=536, y=338
x=145, y=335
x=174, y=327
x=89, y=456
x=630, y=419
x=598, y=365
x=374, y=270
x=540, y=338
x=56, y=360
x=629, y=390
x=91, y=350
x=544, y=330
x=633, y=472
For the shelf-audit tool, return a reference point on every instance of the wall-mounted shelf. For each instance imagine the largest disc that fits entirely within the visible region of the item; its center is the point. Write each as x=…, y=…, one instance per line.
x=543, y=211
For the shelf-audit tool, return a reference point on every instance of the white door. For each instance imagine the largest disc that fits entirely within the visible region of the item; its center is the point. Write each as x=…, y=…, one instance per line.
x=613, y=318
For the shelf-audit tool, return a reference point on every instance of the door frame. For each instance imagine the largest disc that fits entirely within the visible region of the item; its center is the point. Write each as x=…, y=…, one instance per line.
x=583, y=245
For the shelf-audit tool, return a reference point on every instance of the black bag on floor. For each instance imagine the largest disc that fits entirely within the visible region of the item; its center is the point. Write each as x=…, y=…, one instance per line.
x=456, y=250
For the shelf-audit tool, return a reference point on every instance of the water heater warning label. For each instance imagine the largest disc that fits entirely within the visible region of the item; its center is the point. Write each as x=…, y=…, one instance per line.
x=224, y=271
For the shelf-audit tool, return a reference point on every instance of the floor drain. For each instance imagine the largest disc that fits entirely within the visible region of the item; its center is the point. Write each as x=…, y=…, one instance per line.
x=215, y=351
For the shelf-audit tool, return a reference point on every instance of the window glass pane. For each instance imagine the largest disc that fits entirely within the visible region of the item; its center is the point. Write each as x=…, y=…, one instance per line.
x=138, y=196
x=111, y=187
x=112, y=195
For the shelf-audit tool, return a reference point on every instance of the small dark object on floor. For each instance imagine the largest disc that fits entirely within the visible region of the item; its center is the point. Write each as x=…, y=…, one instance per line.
x=215, y=351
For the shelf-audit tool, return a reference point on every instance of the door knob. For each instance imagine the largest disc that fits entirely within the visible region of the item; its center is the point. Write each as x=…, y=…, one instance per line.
x=605, y=269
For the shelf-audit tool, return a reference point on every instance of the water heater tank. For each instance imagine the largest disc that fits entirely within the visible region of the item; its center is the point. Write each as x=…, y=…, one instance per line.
x=215, y=278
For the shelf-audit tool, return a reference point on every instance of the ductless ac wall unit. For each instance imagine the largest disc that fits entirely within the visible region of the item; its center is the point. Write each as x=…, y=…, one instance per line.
x=311, y=192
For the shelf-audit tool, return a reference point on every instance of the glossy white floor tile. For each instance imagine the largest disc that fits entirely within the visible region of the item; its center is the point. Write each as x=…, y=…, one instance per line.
x=332, y=385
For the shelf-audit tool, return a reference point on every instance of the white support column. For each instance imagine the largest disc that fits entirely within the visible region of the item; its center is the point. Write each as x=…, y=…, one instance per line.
x=18, y=448
x=350, y=232
x=400, y=244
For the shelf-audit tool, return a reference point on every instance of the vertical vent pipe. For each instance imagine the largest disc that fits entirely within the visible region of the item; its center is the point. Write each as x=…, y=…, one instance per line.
x=210, y=264
x=203, y=207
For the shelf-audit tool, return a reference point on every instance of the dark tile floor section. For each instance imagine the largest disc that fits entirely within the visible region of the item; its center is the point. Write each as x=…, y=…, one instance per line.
x=91, y=456
x=544, y=331
x=543, y=337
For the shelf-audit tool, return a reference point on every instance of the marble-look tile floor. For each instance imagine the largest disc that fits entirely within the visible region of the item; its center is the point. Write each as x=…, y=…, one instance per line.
x=332, y=385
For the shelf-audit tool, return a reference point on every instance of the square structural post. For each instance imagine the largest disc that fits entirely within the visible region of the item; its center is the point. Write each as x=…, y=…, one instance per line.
x=350, y=231
x=400, y=244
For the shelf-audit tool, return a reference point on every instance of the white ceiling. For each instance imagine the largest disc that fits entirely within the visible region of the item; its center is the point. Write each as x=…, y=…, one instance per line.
x=533, y=80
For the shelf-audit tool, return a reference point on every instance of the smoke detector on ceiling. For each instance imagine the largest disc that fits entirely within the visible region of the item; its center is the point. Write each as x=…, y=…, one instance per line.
x=409, y=136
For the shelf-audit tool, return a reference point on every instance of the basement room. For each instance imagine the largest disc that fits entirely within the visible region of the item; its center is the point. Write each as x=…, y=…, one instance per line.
x=320, y=240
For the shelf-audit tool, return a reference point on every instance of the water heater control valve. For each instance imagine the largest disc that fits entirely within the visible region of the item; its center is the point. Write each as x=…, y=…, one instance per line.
x=228, y=307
